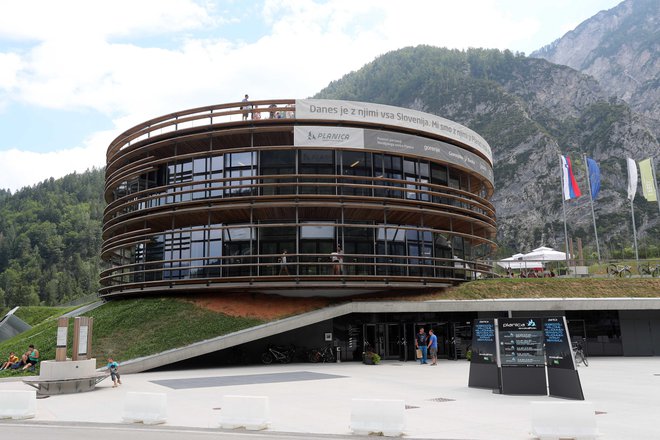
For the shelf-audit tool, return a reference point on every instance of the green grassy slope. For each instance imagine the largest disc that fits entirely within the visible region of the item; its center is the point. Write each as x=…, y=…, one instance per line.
x=557, y=288
x=139, y=327
x=133, y=328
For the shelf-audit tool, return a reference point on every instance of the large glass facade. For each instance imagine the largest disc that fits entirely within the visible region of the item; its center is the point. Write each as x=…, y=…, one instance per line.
x=227, y=208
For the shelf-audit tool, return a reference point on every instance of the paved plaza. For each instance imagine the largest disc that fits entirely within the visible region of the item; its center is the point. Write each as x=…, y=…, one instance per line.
x=316, y=398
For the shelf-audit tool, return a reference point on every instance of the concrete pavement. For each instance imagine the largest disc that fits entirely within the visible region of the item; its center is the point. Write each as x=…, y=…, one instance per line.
x=316, y=398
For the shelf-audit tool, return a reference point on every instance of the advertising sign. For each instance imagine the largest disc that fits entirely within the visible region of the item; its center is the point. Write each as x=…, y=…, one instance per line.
x=521, y=342
x=483, y=342
x=557, y=343
x=317, y=136
x=329, y=109
x=380, y=140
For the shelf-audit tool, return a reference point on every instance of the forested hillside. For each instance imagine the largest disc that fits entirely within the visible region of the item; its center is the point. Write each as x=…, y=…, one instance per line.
x=530, y=111
x=50, y=240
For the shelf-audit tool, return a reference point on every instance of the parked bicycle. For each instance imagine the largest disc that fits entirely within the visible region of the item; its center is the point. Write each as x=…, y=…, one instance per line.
x=280, y=354
x=325, y=354
x=620, y=271
x=580, y=356
x=647, y=269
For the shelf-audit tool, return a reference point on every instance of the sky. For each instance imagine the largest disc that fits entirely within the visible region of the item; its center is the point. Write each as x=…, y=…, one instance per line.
x=74, y=74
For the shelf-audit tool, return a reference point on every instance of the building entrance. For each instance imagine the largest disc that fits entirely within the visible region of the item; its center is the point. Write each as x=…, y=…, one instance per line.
x=386, y=339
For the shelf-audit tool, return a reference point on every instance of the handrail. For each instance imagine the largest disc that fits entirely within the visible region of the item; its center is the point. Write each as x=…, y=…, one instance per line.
x=455, y=193
x=110, y=245
x=394, y=265
x=147, y=196
x=195, y=114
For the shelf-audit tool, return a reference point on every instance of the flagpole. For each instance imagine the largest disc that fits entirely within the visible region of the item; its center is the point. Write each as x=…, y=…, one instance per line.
x=593, y=214
x=632, y=212
x=655, y=182
x=563, y=206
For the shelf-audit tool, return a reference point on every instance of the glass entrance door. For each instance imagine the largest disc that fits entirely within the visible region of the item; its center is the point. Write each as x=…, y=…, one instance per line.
x=384, y=339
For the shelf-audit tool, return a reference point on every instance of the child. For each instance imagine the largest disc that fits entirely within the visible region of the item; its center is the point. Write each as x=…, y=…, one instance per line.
x=114, y=374
x=11, y=360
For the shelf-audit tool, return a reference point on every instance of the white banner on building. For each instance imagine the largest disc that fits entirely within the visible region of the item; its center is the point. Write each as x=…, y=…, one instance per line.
x=389, y=141
x=308, y=136
x=329, y=109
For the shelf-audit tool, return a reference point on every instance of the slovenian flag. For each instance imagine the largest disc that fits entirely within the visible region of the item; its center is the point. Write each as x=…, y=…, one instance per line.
x=571, y=190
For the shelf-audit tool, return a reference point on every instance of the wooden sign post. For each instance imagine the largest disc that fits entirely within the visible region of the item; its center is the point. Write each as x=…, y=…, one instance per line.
x=82, y=338
x=62, y=330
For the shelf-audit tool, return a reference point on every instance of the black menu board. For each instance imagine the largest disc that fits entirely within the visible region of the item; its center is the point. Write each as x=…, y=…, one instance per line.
x=557, y=343
x=521, y=342
x=483, y=341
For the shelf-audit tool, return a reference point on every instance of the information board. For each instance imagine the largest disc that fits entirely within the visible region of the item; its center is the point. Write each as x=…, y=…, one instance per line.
x=521, y=342
x=61, y=337
x=483, y=341
x=82, y=341
x=557, y=343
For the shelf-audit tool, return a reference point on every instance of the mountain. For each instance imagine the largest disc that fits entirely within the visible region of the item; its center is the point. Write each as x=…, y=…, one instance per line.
x=530, y=111
x=620, y=49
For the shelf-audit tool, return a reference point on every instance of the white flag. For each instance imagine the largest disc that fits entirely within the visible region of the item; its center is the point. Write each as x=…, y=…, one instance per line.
x=632, y=179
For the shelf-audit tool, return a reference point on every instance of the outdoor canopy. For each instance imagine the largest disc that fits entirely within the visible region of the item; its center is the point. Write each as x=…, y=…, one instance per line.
x=532, y=260
x=545, y=254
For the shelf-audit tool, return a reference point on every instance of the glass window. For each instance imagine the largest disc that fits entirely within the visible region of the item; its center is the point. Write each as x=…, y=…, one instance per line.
x=273, y=241
x=317, y=231
x=317, y=161
x=239, y=165
x=237, y=247
x=276, y=162
x=216, y=172
x=356, y=163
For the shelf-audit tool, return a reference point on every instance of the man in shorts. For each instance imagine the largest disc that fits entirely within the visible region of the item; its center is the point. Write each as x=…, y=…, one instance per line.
x=421, y=341
x=433, y=347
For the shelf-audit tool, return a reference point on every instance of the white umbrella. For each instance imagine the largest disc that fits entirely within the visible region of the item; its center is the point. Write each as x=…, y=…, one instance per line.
x=545, y=254
x=517, y=262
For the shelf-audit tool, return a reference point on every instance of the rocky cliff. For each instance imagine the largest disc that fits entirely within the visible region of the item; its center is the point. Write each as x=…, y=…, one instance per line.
x=620, y=49
x=530, y=111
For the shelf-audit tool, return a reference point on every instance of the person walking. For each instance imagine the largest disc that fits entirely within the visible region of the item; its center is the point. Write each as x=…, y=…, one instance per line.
x=433, y=347
x=284, y=270
x=337, y=261
x=114, y=372
x=421, y=344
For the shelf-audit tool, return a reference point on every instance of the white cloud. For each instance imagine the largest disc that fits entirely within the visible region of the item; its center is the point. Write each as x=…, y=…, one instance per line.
x=26, y=168
x=10, y=64
x=77, y=54
x=43, y=20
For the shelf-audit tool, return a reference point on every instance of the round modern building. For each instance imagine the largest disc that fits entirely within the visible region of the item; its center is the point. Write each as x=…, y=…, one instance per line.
x=296, y=197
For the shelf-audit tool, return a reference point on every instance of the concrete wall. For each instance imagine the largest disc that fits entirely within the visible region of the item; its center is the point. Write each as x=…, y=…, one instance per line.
x=11, y=326
x=640, y=332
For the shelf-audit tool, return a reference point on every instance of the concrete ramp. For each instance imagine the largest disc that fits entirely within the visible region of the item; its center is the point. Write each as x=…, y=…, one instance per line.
x=11, y=325
x=230, y=340
x=392, y=307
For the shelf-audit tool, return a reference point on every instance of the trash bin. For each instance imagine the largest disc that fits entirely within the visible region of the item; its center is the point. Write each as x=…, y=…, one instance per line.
x=338, y=355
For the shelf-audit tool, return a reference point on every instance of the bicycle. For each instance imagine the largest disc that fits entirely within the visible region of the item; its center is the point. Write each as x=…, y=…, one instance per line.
x=580, y=356
x=325, y=354
x=647, y=269
x=621, y=271
x=280, y=354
